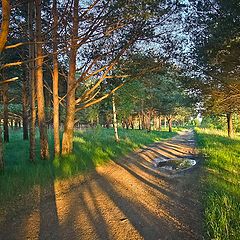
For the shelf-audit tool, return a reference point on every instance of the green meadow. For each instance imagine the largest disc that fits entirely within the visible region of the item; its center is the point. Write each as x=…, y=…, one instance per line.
x=221, y=183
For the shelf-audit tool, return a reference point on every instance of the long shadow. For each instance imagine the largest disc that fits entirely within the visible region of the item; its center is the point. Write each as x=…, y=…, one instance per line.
x=14, y=224
x=174, y=148
x=145, y=181
x=140, y=164
x=141, y=167
x=165, y=151
x=34, y=220
x=49, y=223
x=148, y=224
x=101, y=229
x=83, y=205
x=152, y=153
x=170, y=224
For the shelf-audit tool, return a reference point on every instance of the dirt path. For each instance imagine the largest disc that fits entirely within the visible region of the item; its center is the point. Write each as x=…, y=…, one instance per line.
x=127, y=199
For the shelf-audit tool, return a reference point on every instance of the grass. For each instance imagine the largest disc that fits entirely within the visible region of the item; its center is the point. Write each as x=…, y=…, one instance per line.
x=91, y=148
x=221, y=184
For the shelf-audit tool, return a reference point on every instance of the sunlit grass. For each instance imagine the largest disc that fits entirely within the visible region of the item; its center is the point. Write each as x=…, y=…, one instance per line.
x=221, y=183
x=91, y=148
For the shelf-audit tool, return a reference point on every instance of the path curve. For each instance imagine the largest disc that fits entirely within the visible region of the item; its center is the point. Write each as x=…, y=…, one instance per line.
x=127, y=199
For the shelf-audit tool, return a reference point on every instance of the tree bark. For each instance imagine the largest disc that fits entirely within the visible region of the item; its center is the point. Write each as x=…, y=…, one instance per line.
x=127, y=123
x=15, y=127
x=160, y=123
x=155, y=122
x=149, y=122
x=55, y=83
x=107, y=123
x=139, y=121
x=165, y=122
x=123, y=123
x=143, y=121
x=1, y=151
x=115, y=119
x=5, y=23
x=230, y=124
x=5, y=113
x=44, y=148
x=131, y=122
x=25, y=109
x=32, y=147
x=169, y=124
x=11, y=123
x=67, y=142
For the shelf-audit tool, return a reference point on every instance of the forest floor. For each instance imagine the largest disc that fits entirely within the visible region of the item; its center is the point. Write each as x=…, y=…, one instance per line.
x=125, y=199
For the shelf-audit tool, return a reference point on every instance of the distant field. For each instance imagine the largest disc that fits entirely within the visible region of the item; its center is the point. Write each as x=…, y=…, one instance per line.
x=221, y=183
x=91, y=148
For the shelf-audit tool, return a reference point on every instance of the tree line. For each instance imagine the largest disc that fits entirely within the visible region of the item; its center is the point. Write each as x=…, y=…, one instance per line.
x=66, y=56
x=213, y=74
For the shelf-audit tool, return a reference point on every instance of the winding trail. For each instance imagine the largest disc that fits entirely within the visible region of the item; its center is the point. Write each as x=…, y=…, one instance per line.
x=126, y=199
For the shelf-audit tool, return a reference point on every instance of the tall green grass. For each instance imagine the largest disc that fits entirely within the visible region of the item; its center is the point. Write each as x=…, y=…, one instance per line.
x=221, y=183
x=91, y=148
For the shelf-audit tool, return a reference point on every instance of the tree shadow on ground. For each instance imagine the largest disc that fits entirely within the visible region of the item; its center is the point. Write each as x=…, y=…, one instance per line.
x=129, y=199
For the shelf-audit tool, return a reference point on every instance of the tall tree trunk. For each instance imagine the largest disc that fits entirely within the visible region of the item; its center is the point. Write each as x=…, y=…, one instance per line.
x=16, y=123
x=97, y=121
x=143, y=121
x=130, y=120
x=5, y=23
x=32, y=147
x=165, y=122
x=67, y=142
x=55, y=83
x=149, y=122
x=12, y=123
x=230, y=124
x=155, y=122
x=123, y=123
x=1, y=151
x=107, y=124
x=160, y=123
x=5, y=113
x=25, y=109
x=139, y=121
x=44, y=148
x=170, y=124
x=126, y=123
x=48, y=114
x=115, y=119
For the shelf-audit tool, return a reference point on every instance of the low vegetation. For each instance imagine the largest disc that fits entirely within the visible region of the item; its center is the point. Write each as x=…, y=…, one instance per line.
x=91, y=148
x=221, y=183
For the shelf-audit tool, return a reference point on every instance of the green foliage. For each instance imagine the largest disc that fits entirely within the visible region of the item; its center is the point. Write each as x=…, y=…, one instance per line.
x=91, y=148
x=221, y=184
x=161, y=92
x=214, y=122
x=220, y=122
x=169, y=97
x=217, y=49
x=130, y=98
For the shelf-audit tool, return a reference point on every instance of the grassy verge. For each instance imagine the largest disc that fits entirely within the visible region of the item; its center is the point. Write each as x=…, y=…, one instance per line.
x=91, y=148
x=221, y=184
